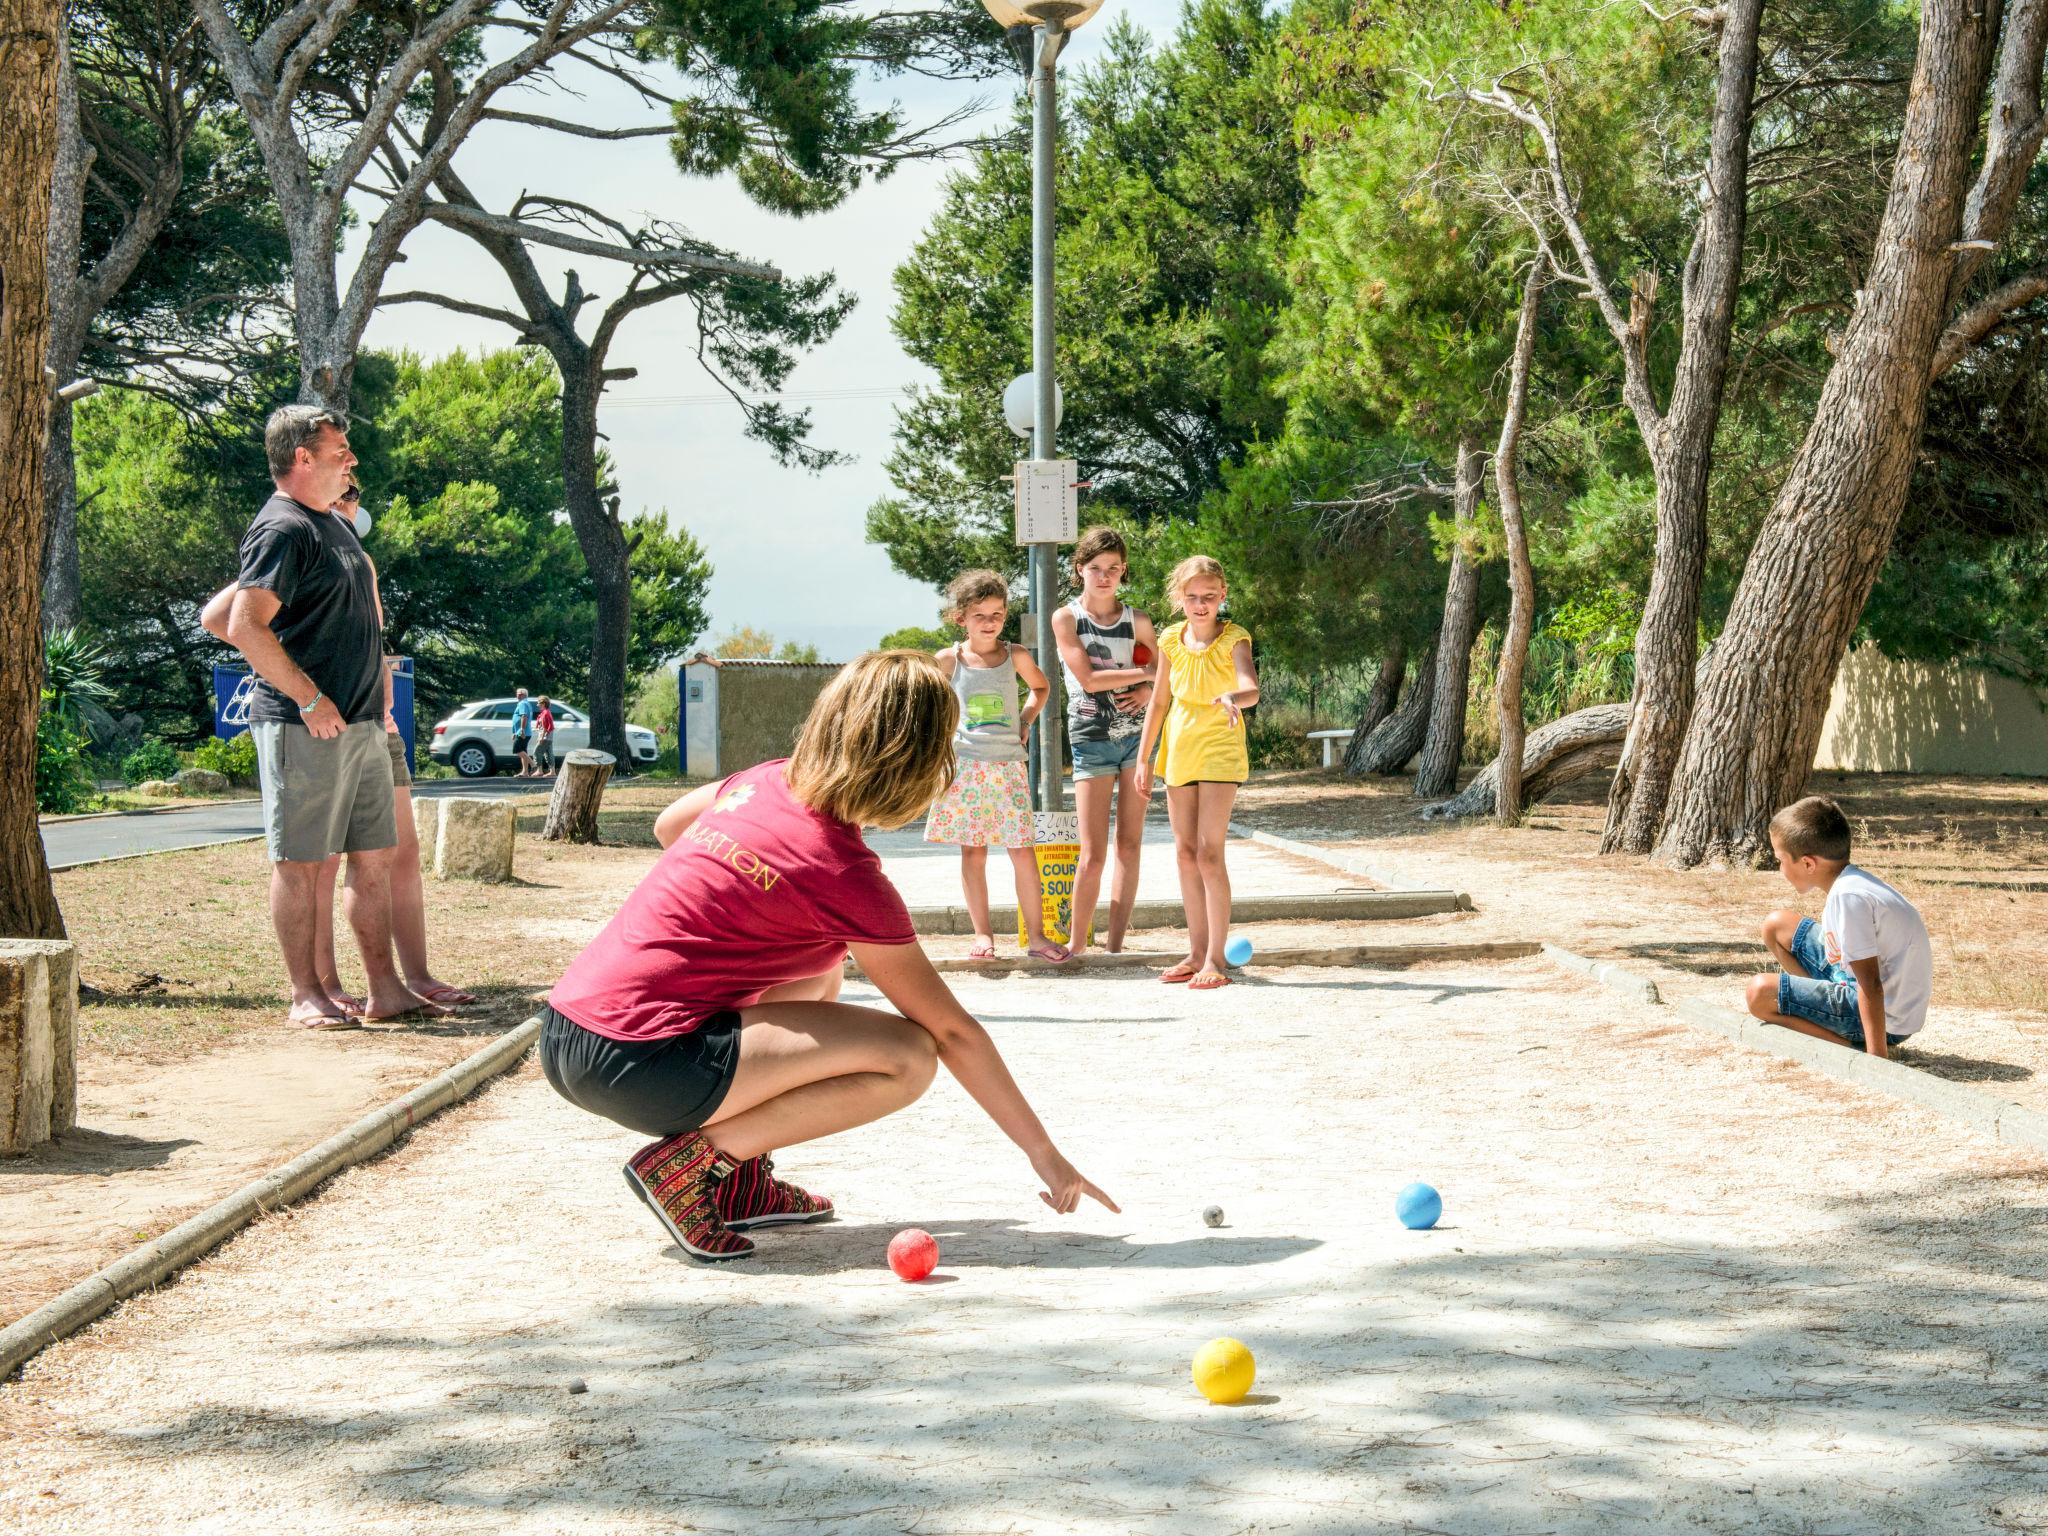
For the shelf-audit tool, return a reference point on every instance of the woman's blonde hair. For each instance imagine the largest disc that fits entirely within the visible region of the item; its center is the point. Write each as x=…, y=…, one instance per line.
x=1187, y=571
x=877, y=746
x=971, y=587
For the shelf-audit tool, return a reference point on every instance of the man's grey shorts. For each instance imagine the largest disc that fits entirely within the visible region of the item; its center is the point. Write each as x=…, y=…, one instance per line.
x=326, y=797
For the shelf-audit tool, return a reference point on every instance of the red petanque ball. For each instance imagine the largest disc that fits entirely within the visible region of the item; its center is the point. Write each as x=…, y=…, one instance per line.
x=913, y=1253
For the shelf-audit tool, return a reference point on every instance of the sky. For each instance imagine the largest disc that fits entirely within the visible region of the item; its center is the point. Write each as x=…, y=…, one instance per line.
x=787, y=547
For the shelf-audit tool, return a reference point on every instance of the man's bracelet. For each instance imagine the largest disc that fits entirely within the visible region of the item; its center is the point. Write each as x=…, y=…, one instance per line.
x=313, y=703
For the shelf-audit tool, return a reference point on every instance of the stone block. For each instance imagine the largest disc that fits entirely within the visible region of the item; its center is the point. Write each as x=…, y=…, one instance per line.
x=157, y=789
x=474, y=840
x=38, y=1041
x=200, y=781
x=426, y=825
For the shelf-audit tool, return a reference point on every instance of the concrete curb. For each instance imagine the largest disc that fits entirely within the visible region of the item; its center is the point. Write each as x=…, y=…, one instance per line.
x=1337, y=906
x=156, y=1261
x=1627, y=983
x=1368, y=956
x=2000, y=1119
x=1336, y=858
x=150, y=810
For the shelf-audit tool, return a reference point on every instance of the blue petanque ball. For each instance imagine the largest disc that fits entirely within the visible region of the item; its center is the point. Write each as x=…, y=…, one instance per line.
x=1238, y=950
x=1418, y=1206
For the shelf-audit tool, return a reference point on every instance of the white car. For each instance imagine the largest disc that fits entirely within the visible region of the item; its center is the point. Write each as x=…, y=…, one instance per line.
x=477, y=739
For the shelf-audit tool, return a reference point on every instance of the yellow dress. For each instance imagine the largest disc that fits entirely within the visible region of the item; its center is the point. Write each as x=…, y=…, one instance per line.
x=1198, y=741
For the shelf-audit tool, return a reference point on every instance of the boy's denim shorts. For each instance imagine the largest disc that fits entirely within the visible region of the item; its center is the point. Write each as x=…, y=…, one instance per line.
x=1104, y=759
x=1826, y=994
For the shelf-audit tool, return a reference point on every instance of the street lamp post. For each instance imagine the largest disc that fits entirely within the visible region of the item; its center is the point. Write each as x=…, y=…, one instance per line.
x=1037, y=30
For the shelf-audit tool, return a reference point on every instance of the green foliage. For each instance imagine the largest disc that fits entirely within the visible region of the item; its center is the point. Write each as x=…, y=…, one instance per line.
x=914, y=638
x=74, y=670
x=64, y=783
x=152, y=760
x=481, y=577
x=655, y=702
x=1177, y=184
x=234, y=759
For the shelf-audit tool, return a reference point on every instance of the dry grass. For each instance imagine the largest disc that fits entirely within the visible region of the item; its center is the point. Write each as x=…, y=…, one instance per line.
x=1972, y=854
x=179, y=952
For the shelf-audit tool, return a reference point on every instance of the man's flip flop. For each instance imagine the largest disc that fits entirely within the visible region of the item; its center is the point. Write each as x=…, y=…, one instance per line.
x=1174, y=975
x=1050, y=953
x=1208, y=981
x=982, y=952
x=447, y=996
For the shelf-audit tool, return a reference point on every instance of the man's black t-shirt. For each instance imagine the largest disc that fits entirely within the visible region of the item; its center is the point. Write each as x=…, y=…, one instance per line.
x=327, y=621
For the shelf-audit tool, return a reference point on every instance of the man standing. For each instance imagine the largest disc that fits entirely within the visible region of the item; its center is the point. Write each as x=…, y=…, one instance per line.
x=523, y=712
x=305, y=619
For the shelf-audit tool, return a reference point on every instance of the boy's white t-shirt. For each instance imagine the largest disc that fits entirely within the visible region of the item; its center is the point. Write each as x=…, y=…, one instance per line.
x=1866, y=919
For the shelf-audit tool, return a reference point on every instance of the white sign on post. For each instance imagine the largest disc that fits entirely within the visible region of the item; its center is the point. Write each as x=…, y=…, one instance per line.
x=1048, y=506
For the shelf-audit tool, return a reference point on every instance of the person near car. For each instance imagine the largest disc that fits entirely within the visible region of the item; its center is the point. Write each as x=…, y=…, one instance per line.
x=544, y=739
x=523, y=713
x=305, y=613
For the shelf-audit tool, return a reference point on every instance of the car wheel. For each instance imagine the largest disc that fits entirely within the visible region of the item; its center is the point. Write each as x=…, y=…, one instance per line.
x=474, y=760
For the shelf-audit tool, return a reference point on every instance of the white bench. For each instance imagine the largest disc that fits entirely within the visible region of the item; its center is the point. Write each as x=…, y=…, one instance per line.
x=1329, y=739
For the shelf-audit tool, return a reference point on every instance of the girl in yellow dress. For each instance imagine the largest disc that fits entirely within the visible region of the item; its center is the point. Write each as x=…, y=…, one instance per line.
x=1206, y=681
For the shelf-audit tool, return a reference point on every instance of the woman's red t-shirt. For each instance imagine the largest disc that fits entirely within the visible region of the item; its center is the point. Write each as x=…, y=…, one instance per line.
x=759, y=890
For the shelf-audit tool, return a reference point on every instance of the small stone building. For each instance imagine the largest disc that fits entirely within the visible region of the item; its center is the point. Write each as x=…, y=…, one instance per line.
x=739, y=712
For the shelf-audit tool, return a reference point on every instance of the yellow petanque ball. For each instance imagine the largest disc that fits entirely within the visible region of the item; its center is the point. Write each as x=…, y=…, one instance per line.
x=1223, y=1370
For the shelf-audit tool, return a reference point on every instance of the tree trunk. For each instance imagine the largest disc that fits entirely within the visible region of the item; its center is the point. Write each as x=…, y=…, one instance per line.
x=578, y=794
x=1397, y=738
x=1681, y=450
x=603, y=542
x=1555, y=755
x=67, y=286
x=1751, y=742
x=30, y=31
x=62, y=583
x=1444, y=743
x=1379, y=703
x=1514, y=646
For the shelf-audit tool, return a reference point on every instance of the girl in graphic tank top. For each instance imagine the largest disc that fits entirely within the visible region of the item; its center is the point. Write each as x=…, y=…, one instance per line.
x=1106, y=651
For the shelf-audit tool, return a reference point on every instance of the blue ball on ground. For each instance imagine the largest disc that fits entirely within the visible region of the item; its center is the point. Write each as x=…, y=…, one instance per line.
x=1238, y=950
x=1418, y=1206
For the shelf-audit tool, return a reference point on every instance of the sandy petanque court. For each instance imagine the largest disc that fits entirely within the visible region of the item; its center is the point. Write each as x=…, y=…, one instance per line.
x=1677, y=1286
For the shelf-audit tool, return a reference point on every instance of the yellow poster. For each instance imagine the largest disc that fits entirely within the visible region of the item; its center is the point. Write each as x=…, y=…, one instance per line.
x=1057, y=841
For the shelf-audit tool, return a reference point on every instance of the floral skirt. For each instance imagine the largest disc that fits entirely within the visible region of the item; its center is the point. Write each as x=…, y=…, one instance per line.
x=988, y=805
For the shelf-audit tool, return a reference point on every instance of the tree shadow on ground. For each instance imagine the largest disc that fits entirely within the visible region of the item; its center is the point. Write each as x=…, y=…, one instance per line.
x=85, y=1150
x=1705, y=957
x=1877, y=1373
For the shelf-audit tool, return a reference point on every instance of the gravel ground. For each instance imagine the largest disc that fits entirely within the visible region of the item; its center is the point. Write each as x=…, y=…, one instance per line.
x=1677, y=1285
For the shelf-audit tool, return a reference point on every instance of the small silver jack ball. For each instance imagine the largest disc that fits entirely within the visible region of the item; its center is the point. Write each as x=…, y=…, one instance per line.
x=1213, y=1216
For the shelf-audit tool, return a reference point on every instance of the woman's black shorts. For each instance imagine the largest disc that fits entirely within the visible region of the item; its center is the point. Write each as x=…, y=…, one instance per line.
x=655, y=1087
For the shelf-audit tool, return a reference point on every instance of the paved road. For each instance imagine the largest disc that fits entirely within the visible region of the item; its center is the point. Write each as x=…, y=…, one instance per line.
x=69, y=843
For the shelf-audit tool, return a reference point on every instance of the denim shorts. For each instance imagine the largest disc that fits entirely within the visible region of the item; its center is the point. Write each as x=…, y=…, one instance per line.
x=1826, y=994
x=1104, y=759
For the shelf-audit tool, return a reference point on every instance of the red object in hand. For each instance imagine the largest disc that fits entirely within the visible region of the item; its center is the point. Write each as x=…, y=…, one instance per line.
x=1141, y=655
x=913, y=1253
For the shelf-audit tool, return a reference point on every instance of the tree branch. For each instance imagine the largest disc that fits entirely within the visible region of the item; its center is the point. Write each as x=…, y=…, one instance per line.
x=2013, y=140
x=504, y=317
x=1985, y=316
x=647, y=257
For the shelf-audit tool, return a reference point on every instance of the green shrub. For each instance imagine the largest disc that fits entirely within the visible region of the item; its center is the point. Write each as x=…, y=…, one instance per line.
x=234, y=758
x=64, y=783
x=1277, y=737
x=152, y=760
x=655, y=704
